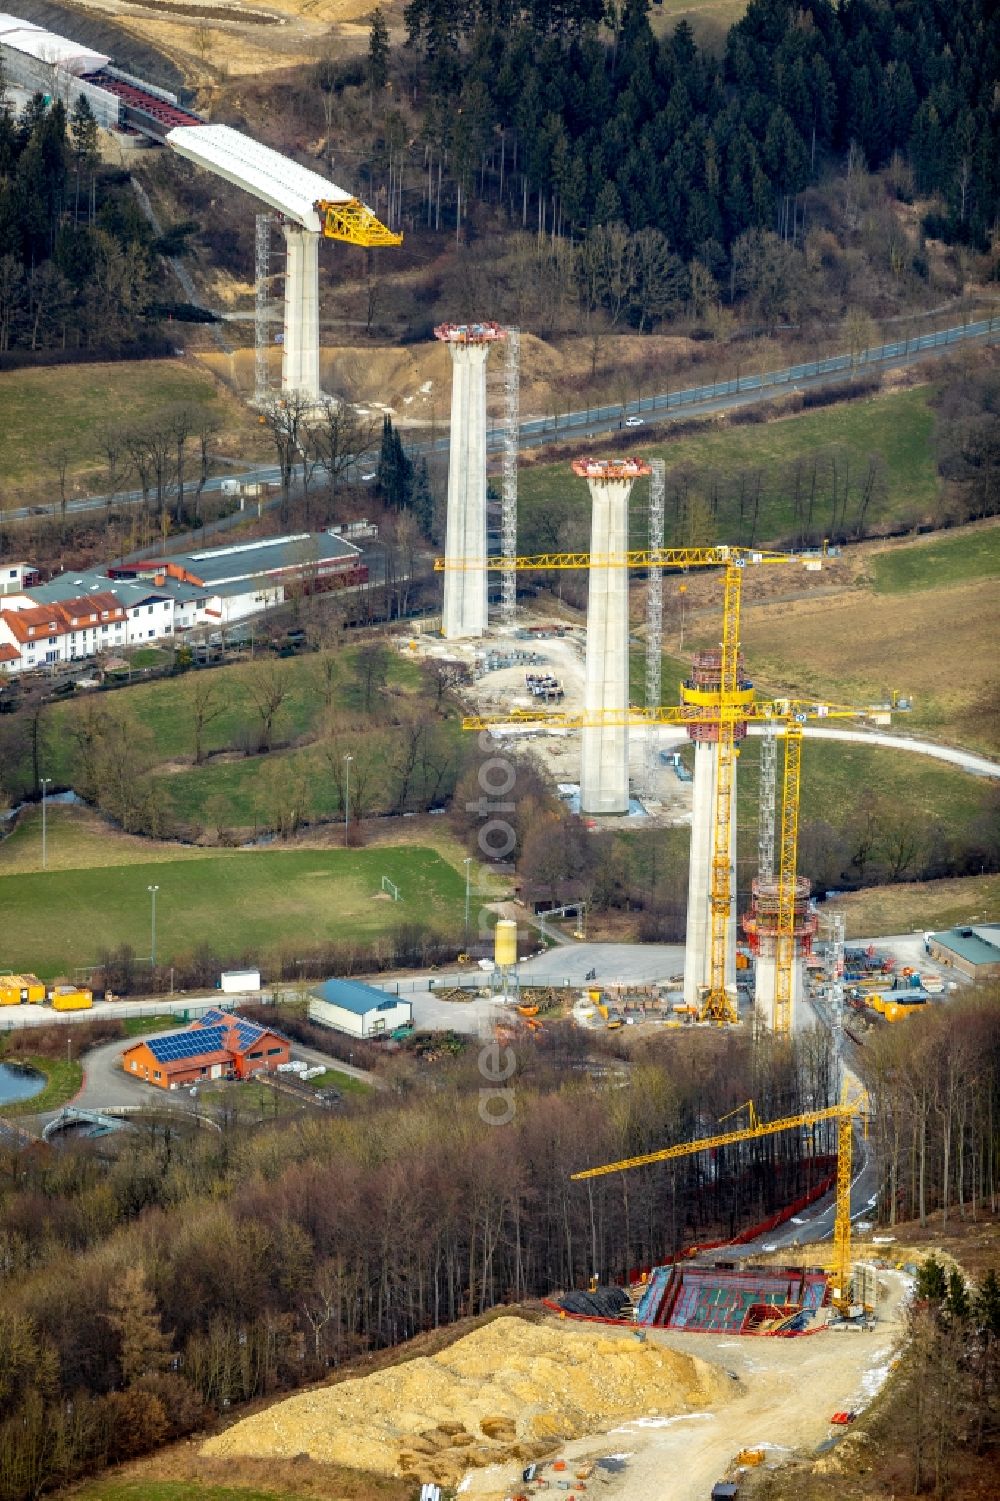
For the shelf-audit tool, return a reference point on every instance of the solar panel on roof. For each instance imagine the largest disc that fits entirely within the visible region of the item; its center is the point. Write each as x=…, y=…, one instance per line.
x=188, y=1044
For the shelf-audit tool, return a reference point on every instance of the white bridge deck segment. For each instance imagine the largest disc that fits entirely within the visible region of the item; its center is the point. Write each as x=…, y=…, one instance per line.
x=289, y=189
x=293, y=192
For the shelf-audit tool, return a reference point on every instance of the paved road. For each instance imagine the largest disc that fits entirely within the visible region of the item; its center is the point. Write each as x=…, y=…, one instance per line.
x=704, y=400
x=979, y=766
x=177, y=1005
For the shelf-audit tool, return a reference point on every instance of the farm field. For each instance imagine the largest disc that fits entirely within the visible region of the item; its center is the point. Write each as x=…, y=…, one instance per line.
x=955, y=559
x=240, y=903
x=931, y=646
x=922, y=904
x=897, y=425
x=920, y=618
x=66, y=406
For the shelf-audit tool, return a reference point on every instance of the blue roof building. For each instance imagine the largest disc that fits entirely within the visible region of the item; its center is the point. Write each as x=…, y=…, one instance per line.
x=361, y=1010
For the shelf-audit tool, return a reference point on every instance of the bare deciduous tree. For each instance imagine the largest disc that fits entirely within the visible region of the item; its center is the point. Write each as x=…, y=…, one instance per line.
x=207, y=704
x=267, y=687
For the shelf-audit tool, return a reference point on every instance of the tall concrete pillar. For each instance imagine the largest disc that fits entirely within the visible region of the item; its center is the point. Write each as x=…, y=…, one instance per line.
x=766, y=988
x=465, y=611
x=761, y=925
x=702, y=694
x=698, y=940
x=604, y=751
x=300, y=350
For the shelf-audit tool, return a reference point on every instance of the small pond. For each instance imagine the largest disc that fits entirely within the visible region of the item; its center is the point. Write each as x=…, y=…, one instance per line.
x=17, y=1083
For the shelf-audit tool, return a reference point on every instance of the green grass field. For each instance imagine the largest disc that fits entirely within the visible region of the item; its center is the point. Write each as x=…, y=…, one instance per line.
x=933, y=565
x=80, y=840
x=921, y=904
x=838, y=778
x=332, y=1078
x=896, y=426
x=139, y=1026
x=244, y=793
x=67, y=405
x=241, y=903
x=165, y=709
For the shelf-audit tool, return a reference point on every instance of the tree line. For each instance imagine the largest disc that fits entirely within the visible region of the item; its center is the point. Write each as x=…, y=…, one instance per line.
x=76, y=253
x=935, y=1082
x=404, y=744
x=951, y=1404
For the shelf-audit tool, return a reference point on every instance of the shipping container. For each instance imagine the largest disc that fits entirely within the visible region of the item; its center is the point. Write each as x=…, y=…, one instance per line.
x=70, y=998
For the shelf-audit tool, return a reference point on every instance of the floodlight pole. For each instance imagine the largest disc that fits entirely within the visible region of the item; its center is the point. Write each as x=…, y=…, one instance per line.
x=347, y=795
x=152, y=941
x=45, y=782
x=468, y=874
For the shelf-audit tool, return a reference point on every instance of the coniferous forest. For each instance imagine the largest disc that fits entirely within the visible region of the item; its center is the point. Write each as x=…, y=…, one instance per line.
x=591, y=124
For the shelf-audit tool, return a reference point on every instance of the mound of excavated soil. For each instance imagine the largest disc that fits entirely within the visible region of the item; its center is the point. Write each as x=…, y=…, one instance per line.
x=511, y=1390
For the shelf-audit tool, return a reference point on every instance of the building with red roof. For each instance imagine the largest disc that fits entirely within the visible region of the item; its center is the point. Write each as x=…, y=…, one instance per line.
x=221, y=1045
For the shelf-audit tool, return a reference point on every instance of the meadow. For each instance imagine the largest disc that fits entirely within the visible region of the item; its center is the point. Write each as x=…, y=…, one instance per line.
x=247, y=902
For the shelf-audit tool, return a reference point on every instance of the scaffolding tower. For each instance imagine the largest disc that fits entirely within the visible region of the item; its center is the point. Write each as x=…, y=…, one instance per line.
x=508, y=515
x=768, y=784
x=262, y=375
x=654, y=614
x=836, y=927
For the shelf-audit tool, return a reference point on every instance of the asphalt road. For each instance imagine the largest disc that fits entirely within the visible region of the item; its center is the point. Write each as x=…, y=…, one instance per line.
x=978, y=766
x=704, y=400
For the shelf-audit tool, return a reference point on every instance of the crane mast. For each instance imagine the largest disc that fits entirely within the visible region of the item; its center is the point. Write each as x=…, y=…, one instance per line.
x=843, y=1113
x=727, y=712
x=787, y=879
x=718, y=1005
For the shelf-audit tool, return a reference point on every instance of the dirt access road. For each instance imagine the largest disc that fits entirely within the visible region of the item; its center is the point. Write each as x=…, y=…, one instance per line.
x=787, y=1390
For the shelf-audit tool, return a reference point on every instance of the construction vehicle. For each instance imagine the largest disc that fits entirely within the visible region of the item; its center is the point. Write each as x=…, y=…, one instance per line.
x=844, y=1114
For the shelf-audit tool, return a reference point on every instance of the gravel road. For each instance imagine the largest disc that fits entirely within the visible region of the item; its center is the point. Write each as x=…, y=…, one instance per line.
x=786, y=1391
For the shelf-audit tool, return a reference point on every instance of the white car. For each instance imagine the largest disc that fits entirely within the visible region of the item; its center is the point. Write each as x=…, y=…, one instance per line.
x=368, y=476
x=633, y=421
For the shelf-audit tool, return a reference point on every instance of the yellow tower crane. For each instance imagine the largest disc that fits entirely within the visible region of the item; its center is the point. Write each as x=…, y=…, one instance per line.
x=717, y=1005
x=793, y=714
x=844, y=1114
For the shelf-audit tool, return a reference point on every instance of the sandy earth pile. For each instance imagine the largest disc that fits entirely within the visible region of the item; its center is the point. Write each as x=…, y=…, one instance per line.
x=511, y=1390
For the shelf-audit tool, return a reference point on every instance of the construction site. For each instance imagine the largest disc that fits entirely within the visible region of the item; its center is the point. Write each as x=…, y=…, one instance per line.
x=613, y=760
x=561, y=694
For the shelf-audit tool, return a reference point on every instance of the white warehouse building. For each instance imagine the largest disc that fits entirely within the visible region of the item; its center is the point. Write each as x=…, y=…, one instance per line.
x=78, y=615
x=360, y=1010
